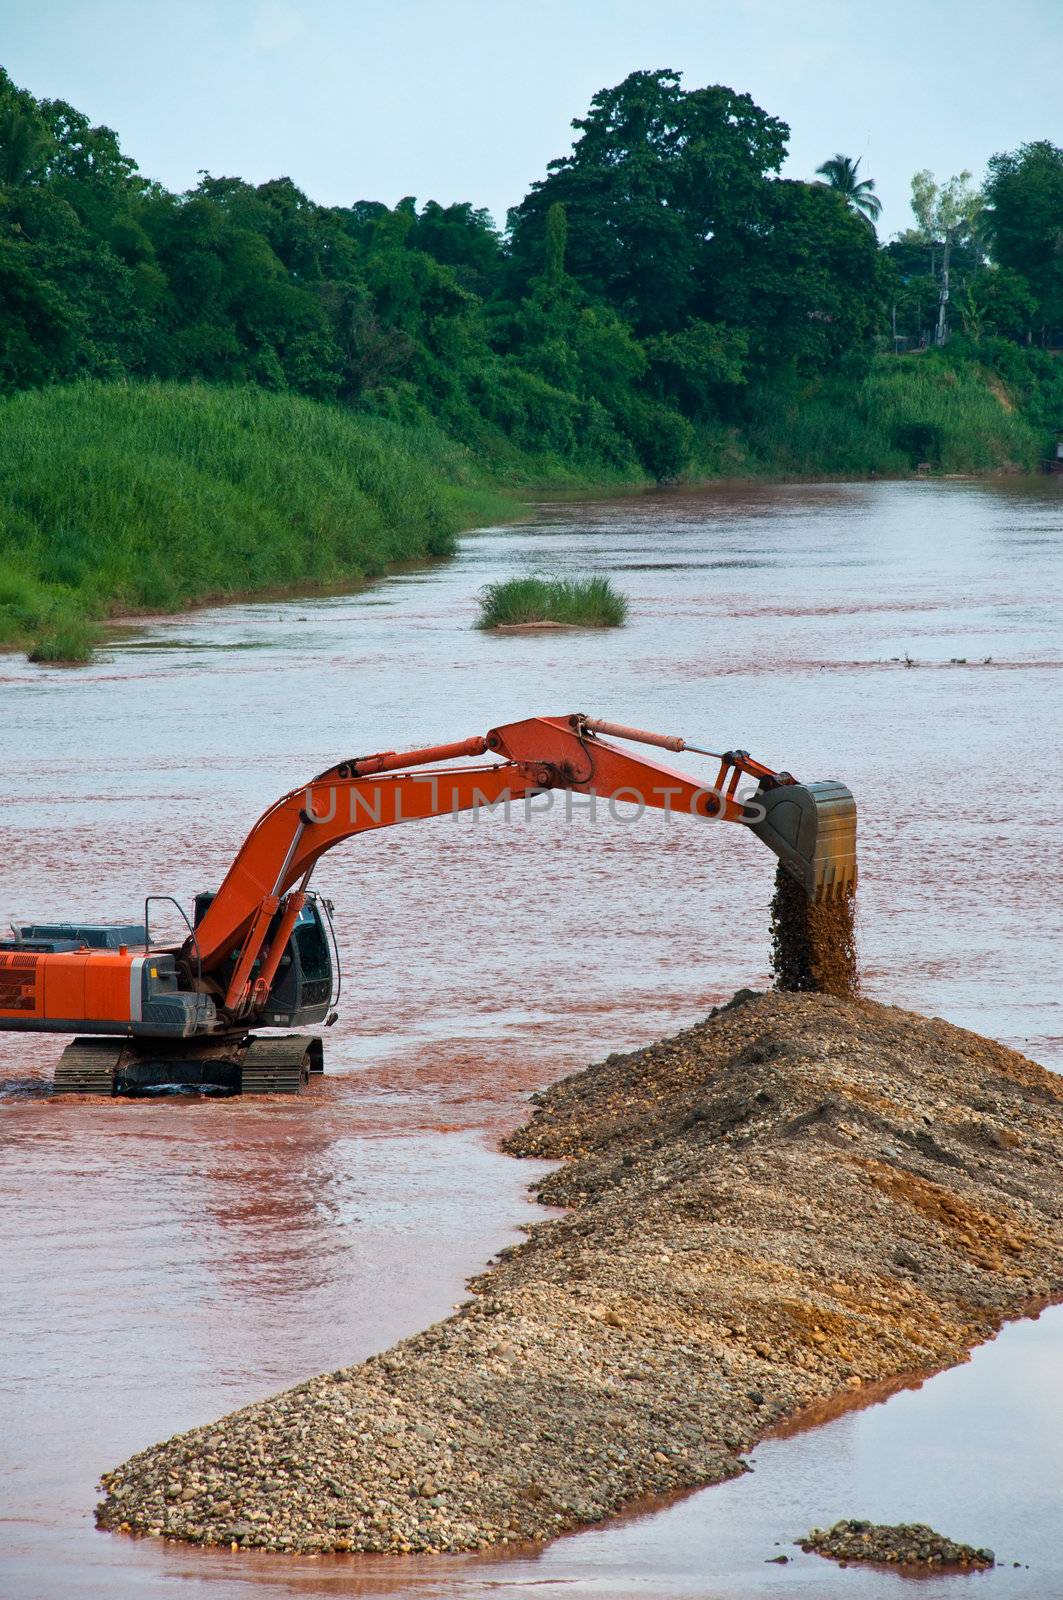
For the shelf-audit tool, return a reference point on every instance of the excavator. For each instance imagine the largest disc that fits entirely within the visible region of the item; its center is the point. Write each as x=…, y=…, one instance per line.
x=261, y=951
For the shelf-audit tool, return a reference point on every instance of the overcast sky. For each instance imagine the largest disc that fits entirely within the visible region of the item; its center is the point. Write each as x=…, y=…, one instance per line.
x=469, y=99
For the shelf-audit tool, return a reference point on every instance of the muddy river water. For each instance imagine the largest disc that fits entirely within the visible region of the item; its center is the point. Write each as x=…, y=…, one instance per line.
x=163, y=1263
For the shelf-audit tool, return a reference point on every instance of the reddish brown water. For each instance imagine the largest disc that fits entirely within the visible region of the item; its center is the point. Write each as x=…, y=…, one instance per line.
x=163, y=1263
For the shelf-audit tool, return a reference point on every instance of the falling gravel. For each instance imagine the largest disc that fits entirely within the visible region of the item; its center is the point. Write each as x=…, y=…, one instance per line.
x=792, y=1200
x=813, y=942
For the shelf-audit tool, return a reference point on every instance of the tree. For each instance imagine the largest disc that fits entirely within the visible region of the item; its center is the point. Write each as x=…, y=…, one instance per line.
x=23, y=146
x=841, y=174
x=39, y=333
x=998, y=301
x=656, y=172
x=556, y=244
x=24, y=138
x=944, y=214
x=462, y=237
x=699, y=364
x=1024, y=193
x=807, y=283
x=944, y=210
x=915, y=307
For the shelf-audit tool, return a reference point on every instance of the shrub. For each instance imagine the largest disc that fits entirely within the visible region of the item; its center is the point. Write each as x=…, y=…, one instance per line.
x=583, y=602
x=662, y=439
x=67, y=642
x=920, y=441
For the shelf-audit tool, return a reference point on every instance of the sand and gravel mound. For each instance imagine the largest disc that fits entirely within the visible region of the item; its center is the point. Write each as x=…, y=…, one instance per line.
x=910, y=1544
x=797, y=1197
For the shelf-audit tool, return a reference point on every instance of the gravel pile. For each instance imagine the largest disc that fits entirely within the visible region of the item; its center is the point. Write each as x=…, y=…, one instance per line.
x=796, y=1197
x=904, y=1543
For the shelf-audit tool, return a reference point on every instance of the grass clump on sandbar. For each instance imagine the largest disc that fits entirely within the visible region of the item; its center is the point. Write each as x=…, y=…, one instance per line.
x=568, y=602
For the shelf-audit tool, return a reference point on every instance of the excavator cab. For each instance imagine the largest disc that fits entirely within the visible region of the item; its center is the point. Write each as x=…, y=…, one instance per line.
x=302, y=990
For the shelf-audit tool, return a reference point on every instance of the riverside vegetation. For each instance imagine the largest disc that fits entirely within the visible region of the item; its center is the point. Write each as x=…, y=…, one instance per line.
x=573, y=602
x=799, y=1198
x=661, y=304
x=118, y=498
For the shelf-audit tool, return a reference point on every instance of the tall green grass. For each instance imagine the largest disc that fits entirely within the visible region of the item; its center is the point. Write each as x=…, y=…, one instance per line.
x=582, y=602
x=118, y=498
x=907, y=409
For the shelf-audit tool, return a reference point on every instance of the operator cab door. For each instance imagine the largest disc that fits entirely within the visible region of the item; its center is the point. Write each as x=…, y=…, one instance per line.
x=302, y=989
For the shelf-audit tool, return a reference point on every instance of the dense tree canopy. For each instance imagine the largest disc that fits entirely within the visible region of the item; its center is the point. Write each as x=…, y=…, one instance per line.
x=653, y=275
x=804, y=281
x=657, y=174
x=1025, y=198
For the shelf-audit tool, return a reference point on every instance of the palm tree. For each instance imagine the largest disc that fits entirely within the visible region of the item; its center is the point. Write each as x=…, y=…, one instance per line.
x=841, y=174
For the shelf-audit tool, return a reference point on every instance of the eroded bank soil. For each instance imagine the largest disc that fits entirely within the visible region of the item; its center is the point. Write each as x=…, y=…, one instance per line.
x=797, y=1196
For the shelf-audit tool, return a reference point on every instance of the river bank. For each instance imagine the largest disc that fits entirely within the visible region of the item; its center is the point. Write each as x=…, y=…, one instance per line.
x=131, y=500
x=794, y=1198
x=126, y=500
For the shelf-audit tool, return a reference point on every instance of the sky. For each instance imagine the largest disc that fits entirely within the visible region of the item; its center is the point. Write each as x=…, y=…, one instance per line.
x=469, y=99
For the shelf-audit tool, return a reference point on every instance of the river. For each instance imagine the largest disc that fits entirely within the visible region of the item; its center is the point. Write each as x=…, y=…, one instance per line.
x=164, y=1263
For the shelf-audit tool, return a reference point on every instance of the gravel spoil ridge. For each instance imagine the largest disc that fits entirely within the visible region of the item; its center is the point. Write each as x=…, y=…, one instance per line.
x=795, y=1198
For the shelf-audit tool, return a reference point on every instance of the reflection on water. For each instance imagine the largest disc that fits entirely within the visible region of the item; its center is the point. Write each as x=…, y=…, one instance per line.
x=166, y=1262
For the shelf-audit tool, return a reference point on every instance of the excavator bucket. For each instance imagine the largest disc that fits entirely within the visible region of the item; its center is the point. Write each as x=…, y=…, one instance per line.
x=811, y=827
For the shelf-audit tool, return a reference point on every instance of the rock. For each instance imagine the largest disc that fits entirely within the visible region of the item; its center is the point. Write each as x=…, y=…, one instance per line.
x=901, y=1544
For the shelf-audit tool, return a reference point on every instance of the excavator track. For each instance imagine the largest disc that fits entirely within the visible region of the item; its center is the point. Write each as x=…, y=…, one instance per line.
x=109, y=1067
x=88, y=1066
x=279, y=1066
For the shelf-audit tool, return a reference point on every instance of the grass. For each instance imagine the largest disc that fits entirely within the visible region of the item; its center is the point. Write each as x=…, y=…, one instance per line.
x=69, y=641
x=120, y=498
x=581, y=602
x=907, y=409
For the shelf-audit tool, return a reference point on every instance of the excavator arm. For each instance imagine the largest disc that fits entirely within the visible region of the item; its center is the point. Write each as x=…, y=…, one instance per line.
x=161, y=1020
x=812, y=832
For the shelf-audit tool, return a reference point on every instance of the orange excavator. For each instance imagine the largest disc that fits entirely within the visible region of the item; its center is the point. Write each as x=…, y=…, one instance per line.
x=261, y=951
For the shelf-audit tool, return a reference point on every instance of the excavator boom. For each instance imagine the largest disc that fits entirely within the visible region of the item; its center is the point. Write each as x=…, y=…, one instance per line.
x=258, y=952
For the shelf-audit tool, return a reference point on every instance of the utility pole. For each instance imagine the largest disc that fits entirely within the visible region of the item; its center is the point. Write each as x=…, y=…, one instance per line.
x=943, y=297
